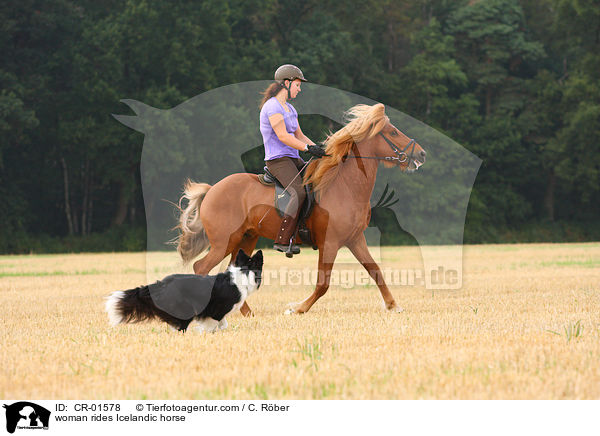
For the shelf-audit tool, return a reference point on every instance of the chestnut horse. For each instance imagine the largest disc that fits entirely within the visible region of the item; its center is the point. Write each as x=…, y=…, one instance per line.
x=232, y=214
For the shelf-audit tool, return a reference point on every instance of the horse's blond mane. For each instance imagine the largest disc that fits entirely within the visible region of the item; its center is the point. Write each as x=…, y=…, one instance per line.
x=364, y=122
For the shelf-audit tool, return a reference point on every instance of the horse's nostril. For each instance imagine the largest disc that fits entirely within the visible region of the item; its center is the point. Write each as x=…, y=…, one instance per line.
x=423, y=153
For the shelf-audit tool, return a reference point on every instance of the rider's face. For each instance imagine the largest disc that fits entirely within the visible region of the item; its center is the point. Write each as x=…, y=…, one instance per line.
x=295, y=88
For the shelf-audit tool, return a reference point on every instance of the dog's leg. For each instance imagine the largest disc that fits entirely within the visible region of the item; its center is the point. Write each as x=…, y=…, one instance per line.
x=207, y=325
x=181, y=327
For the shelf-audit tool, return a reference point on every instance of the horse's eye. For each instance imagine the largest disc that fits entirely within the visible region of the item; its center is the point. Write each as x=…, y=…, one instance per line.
x=394, y=133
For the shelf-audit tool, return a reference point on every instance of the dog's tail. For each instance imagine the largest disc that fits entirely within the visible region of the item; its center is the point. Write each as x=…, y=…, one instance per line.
x=134, y=305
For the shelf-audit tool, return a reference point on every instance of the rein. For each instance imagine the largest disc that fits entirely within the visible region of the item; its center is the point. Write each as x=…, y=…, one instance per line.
x=401, y=155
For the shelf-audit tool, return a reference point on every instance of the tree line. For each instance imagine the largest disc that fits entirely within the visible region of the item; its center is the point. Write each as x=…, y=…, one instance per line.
x=514, y=81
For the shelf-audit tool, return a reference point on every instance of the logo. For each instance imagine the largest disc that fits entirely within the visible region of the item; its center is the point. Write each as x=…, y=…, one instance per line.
x=26, y=415
x=215, y=134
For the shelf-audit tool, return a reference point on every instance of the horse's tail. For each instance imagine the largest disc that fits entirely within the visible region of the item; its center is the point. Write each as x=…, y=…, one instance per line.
x=192, y=239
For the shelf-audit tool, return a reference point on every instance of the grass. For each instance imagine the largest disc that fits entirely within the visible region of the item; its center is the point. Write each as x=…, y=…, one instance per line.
x=532, y=332
x=51, y=273
x=310, y=351
x=586, y=263
x=571, y=331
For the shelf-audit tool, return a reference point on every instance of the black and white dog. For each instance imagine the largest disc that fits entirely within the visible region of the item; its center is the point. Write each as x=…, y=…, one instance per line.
x=180, y=298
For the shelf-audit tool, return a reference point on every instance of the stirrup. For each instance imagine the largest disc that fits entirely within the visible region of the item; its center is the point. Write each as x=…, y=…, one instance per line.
x=289, y=250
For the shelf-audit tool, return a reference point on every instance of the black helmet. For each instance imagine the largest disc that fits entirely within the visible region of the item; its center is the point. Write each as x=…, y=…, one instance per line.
x=288, y=72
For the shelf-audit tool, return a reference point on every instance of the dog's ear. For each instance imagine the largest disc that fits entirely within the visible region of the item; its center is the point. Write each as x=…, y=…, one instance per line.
x=241, y=258
x=257, y=259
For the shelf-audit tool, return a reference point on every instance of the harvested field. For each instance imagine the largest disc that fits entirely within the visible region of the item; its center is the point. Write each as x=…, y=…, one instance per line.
x=525, y=325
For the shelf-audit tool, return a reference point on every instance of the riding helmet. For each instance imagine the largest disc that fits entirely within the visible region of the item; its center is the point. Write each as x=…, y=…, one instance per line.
x=288, y=72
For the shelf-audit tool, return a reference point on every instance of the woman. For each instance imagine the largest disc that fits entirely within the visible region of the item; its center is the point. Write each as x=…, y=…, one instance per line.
x=283, y=138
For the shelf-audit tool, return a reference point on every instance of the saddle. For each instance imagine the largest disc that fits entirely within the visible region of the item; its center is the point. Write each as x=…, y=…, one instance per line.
x=283, y=198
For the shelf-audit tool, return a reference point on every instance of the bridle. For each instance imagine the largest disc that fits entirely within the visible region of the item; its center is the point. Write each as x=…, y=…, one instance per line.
x=401, y=155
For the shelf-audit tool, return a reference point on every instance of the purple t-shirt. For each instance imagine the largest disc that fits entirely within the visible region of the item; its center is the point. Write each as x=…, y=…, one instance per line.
x=274, y=148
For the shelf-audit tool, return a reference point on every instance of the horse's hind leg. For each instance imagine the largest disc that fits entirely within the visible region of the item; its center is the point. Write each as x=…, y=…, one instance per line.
x=219, y=248
x=248, y=243
x=215, y=255
x=360, y=250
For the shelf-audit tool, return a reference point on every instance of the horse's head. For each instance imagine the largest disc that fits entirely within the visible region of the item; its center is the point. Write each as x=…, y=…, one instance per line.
x=398, y=149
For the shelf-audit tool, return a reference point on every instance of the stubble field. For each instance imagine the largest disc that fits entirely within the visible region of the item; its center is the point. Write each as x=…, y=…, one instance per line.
x=525, y=325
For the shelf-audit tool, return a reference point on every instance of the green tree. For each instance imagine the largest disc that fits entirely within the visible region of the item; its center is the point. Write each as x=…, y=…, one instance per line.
x=495, y=51
x=576, y=142
x=433, y=78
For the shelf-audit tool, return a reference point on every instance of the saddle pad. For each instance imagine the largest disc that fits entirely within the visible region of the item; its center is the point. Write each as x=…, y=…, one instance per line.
x=283, y=198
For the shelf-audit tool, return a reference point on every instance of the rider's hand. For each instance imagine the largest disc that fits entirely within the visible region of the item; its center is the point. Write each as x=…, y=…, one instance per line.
x=315, y=150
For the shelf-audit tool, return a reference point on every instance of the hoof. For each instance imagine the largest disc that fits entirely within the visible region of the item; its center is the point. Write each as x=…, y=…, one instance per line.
x=394, y=308
x=292, y=308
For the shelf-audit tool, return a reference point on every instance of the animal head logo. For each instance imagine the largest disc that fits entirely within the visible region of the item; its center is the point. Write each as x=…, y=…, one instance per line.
x=216, y=134
x=26, y=415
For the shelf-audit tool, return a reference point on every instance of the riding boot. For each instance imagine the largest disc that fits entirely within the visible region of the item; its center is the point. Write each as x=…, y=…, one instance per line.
x=285, y=239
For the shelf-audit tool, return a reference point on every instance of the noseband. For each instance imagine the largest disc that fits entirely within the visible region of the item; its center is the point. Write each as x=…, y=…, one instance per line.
x=401, y=155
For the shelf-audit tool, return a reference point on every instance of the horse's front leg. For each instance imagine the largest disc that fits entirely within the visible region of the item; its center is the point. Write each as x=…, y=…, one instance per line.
x=245, y=309
x=326, y=259
x=360, y=250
